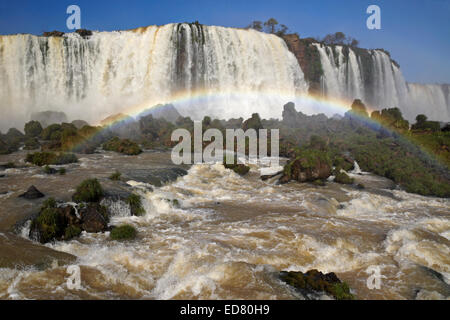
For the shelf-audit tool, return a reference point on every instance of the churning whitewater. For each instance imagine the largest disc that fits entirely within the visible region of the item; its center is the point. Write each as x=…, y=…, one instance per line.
x=227, y=237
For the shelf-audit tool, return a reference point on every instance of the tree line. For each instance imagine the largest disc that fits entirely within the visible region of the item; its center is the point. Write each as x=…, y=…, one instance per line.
x=272, y=26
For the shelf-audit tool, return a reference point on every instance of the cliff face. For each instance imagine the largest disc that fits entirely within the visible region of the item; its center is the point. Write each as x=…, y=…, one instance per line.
x=308, y=58
x=347, y=73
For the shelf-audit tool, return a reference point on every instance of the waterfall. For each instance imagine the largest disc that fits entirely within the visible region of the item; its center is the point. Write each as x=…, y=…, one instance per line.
x=110, y=72
x=377, y=80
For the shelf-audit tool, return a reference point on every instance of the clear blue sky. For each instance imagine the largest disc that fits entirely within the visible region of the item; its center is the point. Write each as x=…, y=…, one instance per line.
x=416, y=32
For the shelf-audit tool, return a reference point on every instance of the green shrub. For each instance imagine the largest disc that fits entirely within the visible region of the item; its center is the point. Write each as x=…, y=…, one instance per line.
x=49, y=158
x=49, y=222
x=88, y=191
x=125, y=232
x=343, y=178
x=125, y=146
x=65, y=158
x=48, y=170
x=135, y=203
x=115, y=176
x=33, y=129
x=72, y=232
x=62, y=171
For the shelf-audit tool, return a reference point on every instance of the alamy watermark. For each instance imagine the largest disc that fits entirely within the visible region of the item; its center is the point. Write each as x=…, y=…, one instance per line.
x=74, y=281
x=73, y=22
x=190, y=149
x=374, y=20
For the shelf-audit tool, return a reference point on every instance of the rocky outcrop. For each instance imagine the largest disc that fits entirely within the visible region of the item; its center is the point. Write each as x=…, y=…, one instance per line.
x=61, y=222
x=32, y=193
x=309, y=59
x=47, y=118
x=84, y=33
x=53, y=34
x=343, y=178
x=310, y=165
x=167, y=112
x=156, y=176
x=94, y=218
x=313, y=283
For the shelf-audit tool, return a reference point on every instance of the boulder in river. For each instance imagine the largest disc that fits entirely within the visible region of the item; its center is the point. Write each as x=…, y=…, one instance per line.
x=315, y=282
x=310, y=165
x=32, y=193
x=94, y=218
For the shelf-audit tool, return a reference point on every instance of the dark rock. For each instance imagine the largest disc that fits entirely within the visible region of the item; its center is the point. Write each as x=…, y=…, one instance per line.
x=309, y=166
x=343, y=178
x=167, y=112
x=84, y=33
x=314, y=282
x=157, y=176
x=94, y=218
x=46, y=118
x=53, y=34
x=52, y=223
x=32, y=193
x=240, y=169
x=79, y=123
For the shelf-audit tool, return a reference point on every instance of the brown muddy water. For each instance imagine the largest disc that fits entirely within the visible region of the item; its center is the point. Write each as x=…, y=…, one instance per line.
x=227, y=238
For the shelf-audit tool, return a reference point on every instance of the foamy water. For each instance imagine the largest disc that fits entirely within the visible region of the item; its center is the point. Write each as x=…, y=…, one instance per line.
x=227, y=237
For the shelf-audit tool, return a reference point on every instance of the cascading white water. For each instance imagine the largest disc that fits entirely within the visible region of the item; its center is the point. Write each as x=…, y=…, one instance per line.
x=430, y=99
x=382, y=85
x=112, y=71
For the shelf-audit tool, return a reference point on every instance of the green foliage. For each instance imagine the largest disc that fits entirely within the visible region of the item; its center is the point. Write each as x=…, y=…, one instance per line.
x=40, y=158
x=125, y=146
x=115, y=176
x=343, y=178
x=32, y=144
x=49, y=203
x=62, y=171
x=71, y=232
x=48, y=170
x=52, y=132
x=48, y=158
x=65, y=158
x=341, y=291
x=125, y=232
x=88, y=191
x=135, y=203
x=49, y=222
x=33, y=129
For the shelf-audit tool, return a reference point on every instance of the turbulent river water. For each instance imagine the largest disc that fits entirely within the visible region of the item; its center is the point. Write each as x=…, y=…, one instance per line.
x=229, y=236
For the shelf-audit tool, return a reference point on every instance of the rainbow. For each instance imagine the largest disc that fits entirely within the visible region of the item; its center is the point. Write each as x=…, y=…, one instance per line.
x=320, y=104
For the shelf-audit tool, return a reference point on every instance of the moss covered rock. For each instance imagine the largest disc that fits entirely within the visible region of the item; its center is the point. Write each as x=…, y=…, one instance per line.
x=314, y=281
x=89, y=190
x=310, y=165
x=135, y=203
x=343, y=178
x=125, y=232
x=124, y=146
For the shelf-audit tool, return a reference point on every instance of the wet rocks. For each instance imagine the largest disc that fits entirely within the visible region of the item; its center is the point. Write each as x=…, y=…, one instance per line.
x=32, y=193
x=84, y=33
x=94, y=218
x=342, y=178
x=156, y=176
x=310, y=165
x=88, y=191
x=53, y=34
x=240, y=169
x=315, y=282
x=54, y=222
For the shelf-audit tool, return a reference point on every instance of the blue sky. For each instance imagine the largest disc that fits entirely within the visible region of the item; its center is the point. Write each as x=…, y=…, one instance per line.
x=416, y=32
